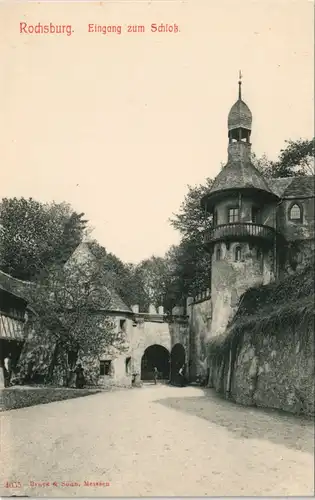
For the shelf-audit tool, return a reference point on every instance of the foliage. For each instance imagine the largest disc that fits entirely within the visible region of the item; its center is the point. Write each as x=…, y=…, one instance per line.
x=70, y=304
x=122, y=276
x=12, y=399
x=35, y=236
x=190, y=221
x=297, y=158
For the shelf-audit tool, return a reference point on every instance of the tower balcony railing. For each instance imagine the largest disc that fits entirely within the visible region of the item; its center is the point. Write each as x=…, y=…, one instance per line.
x=239, y=231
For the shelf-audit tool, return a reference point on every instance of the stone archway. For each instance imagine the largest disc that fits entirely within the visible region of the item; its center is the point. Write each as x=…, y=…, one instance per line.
x=178, y=359
x=155, y=355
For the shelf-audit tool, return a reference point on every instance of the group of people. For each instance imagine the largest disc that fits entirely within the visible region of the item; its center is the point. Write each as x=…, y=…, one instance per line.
x=7, y=371
x=180, y=376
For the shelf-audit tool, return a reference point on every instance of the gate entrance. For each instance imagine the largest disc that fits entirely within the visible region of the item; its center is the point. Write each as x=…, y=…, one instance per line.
x=155, y=355
x=178, y=359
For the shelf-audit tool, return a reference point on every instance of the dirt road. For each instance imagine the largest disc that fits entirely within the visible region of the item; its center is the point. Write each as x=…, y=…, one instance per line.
x=155, y=441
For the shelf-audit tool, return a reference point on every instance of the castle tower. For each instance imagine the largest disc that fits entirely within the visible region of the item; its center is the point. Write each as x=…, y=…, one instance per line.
x=241, y=241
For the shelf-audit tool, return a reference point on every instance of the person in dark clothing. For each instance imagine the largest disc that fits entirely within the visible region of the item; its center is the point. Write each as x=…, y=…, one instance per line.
x=181, y=374
x=155, y=374
x=7, y=370
x=80, y=380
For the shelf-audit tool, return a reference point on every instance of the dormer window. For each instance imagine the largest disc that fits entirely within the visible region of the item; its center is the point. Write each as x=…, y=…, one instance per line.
x=295, y=213
x=233, y=215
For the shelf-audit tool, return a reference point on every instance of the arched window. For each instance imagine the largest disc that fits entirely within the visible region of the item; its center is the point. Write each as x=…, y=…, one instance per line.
x=238, y=254
x=295, y=213
x=218, y=253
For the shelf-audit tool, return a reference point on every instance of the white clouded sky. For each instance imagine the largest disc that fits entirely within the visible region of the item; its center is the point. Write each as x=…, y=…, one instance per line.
x=118, y=125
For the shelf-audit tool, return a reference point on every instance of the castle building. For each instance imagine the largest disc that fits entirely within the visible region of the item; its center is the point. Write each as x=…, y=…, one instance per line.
x=261, y=228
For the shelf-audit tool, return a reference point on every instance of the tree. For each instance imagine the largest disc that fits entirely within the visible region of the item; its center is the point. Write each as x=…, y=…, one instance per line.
x=35, y=236
x=297, y=158
x=191, y=219
x=71, y=304
x=123, y=276
x=190, y=262
x=153, y=279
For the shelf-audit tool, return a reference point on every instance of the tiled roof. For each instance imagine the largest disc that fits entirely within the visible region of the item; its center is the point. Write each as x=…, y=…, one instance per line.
x=293, y=186
x=238, y=175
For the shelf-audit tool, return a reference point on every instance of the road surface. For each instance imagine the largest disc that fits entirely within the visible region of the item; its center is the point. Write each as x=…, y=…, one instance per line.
x=155, y=441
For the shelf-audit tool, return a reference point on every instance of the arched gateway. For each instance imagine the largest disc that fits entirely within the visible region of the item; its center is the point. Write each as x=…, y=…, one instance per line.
x=155, y=355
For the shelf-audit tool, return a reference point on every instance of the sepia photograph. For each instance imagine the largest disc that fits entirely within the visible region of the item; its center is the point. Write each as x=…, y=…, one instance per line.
x=157, y=248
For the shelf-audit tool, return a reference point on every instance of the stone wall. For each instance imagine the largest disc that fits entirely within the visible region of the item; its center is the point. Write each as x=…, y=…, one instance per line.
x=266, y=357
x=230, y=279
x=273, y=373
x=199, y=313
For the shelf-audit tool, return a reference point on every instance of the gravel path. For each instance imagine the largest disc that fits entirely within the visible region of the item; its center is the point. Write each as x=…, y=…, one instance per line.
x=155, y=441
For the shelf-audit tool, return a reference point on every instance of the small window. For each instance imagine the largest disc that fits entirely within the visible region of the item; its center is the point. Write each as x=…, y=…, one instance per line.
x=238, y=254
x=218, y=253
x=122, y=325
x=233, y=215
x=105, y=368
x=295, y=212
x=128, y=365
x=215, y=218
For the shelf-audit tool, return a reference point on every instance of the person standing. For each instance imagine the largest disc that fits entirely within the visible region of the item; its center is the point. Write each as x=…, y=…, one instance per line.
x=80, y=379
x=155, y=374
x=182, y=376
x=7, y=370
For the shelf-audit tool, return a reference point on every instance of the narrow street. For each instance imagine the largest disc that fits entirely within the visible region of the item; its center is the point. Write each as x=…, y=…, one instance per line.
x=155, y=441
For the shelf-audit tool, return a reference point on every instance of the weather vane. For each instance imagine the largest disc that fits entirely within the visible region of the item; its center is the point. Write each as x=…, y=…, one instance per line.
x=239, y=85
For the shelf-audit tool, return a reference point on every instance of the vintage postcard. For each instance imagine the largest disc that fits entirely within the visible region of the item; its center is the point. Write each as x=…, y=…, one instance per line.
x=157, y=248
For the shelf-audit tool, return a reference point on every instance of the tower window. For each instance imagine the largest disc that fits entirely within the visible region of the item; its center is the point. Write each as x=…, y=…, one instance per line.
x=218, y=253
x=233, y=215
x=215, y=218
x=295, y=213
x=238, y=254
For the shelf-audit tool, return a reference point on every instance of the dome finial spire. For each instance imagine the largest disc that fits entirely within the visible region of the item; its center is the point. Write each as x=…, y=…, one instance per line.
x=240, y=85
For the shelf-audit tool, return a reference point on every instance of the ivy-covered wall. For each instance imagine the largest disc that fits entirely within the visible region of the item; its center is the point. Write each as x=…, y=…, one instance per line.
x=266, y=357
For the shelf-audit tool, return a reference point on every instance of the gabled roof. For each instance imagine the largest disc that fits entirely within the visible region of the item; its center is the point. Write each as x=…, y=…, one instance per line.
x=114, y=303
x=293, y=187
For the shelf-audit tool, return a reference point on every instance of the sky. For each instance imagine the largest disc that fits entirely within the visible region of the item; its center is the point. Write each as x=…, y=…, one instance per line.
x=119, y=125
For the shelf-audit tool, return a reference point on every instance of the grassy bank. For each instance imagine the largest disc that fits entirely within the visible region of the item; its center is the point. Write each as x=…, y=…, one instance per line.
x=22, y=397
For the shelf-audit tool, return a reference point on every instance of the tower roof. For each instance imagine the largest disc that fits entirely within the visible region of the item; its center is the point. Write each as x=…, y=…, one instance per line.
x=240, y=116
x=239, y=175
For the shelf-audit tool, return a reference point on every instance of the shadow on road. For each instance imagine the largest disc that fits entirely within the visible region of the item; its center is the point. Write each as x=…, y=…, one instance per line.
x=247, y=422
